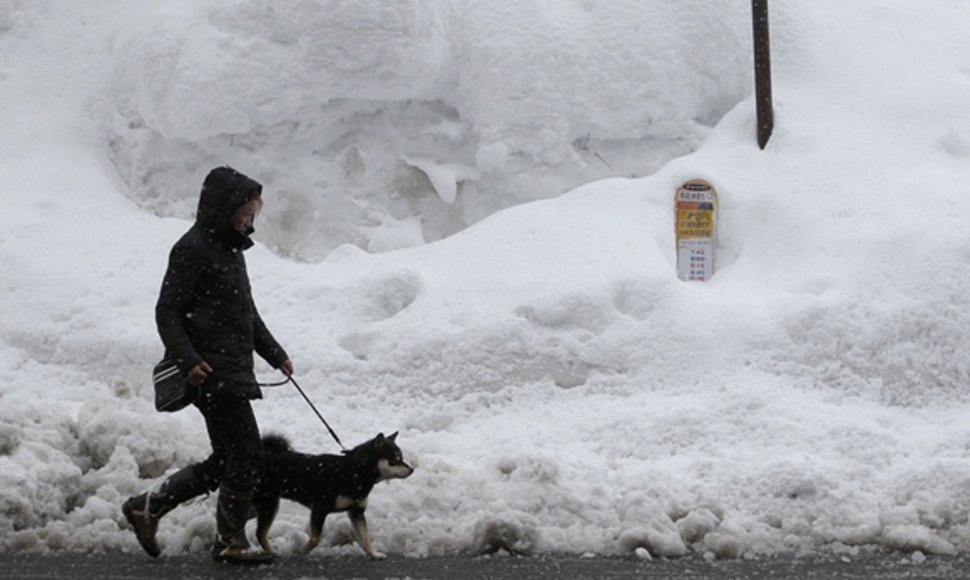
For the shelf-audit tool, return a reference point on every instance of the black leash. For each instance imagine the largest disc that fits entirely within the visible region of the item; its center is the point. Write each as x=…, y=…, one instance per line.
x=290, y=379
x=279, y=384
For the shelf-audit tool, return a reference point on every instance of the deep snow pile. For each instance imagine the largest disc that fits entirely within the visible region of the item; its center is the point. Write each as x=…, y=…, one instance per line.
x=390, y=124
x=556, y=387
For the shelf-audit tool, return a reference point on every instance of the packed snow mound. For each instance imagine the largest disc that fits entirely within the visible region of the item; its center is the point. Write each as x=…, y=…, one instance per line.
x=328, y=99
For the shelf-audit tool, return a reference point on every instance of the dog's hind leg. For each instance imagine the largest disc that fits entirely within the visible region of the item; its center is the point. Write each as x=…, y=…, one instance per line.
x=265, y=514
x=359, y=523
x=317, y=516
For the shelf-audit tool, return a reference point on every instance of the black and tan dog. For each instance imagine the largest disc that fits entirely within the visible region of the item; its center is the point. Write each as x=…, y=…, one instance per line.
x=325, y=484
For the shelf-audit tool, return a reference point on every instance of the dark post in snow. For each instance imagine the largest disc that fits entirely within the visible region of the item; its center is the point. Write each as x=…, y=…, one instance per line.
x=762, y=71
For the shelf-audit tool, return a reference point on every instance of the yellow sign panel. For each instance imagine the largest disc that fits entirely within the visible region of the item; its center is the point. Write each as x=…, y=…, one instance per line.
x=695, y=223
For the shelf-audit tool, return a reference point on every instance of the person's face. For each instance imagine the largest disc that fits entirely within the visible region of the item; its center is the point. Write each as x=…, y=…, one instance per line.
x=244, y=215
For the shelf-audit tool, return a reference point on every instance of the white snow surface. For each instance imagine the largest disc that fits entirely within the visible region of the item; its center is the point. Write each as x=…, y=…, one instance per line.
x=468, y=239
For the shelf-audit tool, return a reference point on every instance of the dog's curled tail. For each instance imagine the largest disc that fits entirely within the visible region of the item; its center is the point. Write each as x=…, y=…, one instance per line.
x=275, y=443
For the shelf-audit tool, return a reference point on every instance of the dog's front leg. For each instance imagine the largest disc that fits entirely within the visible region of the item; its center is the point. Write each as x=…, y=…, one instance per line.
x=359, y=523
x=318, y=515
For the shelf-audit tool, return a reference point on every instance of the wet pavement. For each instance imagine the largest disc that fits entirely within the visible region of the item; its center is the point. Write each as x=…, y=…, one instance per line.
x=127, y=566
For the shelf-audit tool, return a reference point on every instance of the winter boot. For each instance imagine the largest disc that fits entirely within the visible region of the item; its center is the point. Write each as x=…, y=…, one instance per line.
x=143, y=511
x=234, y=509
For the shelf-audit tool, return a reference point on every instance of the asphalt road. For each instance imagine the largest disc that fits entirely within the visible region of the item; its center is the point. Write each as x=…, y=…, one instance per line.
x=118, y=566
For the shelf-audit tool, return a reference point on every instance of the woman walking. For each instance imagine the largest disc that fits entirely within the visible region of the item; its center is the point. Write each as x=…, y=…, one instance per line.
x=209, y=325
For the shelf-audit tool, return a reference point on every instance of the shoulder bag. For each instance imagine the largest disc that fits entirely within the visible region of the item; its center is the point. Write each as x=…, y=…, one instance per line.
x=172, y=389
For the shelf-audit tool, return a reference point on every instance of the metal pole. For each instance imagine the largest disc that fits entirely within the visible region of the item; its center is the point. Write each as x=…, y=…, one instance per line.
x=762, y=71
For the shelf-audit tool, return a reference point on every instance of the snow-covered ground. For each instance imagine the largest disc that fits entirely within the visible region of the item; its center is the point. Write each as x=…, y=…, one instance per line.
x=468, y=238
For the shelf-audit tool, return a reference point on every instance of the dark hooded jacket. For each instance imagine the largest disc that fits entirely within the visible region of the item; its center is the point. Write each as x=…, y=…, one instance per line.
x=205, y=309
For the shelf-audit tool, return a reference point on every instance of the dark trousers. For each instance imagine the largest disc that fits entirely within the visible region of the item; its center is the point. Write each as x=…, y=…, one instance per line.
x=237, y=450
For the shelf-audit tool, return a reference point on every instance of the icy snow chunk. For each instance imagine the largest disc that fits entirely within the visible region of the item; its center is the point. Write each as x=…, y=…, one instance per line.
x=914, y=537
x=723, y=546
x=664, y=543
x=445, y=177
x=649, y=527
x=899, y=516
x=695, y=525
x=512, y=531
x=40, y=483
x=659, y=536
x=102, y=430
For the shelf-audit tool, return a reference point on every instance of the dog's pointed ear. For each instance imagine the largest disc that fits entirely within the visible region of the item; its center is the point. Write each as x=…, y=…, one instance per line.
x=379, y=440
x=392, y=437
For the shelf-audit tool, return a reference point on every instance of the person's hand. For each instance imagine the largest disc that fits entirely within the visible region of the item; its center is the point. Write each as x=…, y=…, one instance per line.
x=287, y=367
x=199, y=373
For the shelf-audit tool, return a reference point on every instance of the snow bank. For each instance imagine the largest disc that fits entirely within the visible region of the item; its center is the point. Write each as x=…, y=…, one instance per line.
x=329, y=99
